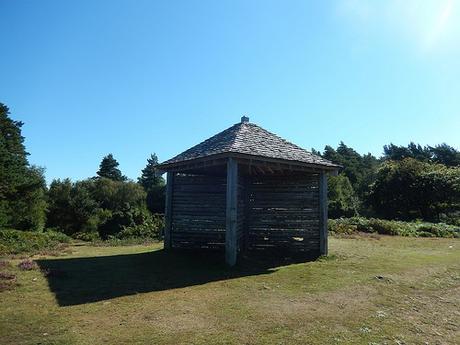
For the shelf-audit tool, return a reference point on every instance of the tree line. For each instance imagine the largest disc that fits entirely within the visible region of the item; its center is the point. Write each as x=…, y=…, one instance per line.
x=407, y=183
x=108, y=204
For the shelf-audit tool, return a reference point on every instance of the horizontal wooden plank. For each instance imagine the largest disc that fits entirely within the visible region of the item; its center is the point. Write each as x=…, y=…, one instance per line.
x=274, y=216
x=287, y=240
x=283, y=225
x=200, y=206
x=198, y=245
x=282, y=232
x=198, y=217
x=197, y=229
x=202, y=234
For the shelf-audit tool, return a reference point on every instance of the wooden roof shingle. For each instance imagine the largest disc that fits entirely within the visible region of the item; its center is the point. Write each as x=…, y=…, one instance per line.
x=247, y=138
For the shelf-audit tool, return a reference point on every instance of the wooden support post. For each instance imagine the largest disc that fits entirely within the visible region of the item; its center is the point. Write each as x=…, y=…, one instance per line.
x=231, y=220
x=323, y=213
x=168, y=209
x=246, y=190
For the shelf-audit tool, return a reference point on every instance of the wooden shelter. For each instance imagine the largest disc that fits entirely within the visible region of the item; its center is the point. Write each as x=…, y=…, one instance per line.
x=247, y=189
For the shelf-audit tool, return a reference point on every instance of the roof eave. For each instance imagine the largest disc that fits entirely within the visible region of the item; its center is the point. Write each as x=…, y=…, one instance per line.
x=219, y=158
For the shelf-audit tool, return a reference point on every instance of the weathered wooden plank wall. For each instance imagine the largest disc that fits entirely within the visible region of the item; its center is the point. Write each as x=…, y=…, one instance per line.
x=273, y=212
x=284, y=213
x=198, y=212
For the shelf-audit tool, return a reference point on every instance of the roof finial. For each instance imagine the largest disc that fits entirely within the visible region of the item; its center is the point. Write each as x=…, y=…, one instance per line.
x=244, y=119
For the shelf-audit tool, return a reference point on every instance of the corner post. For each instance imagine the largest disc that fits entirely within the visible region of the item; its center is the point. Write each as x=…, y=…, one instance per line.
x=231, y=209
x=323, y=233
x=168, y=209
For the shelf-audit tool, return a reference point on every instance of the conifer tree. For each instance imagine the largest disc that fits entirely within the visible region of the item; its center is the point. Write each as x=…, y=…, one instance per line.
x=154, y=185
x=149, y=177
x=22, y=203
x=13, y=161
x=109, y=169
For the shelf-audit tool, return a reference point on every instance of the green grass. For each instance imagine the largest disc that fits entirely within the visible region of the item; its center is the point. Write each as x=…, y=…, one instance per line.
x=370, y=290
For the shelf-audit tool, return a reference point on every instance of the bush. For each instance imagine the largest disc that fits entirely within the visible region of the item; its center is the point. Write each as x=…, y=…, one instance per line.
x=87, y=236
x=126, y=219
x=348, y=226
x=342, y=228
x=437, y=230
x=72, y=208
x=16, y=242
x=156, y=199
x=151, y=228
x=95, y=208
x=385, y=227
x=343, y=201
x=411, y=189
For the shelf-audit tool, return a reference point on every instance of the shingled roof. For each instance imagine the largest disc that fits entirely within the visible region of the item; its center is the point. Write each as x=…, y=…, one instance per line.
x=247, y=138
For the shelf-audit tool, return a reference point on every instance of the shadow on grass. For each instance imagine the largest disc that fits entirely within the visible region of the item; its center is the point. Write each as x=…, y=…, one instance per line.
x=90, y=279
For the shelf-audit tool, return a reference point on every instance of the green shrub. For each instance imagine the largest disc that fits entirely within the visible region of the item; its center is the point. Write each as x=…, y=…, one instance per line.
x=95, y=205
x=425, y=234
x=119, y=221
x=384, y=227
x=16, y=242
x=56, y=236
x=87, y=236
x=341, y=228
x=392, y=227
x=151, y=228
x=438, y=230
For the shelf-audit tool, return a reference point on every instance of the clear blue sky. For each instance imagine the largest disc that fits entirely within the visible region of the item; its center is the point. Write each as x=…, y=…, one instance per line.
x=134, y=77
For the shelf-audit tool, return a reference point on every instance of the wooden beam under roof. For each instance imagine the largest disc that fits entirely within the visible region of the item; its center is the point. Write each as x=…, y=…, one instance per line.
x=220, y=159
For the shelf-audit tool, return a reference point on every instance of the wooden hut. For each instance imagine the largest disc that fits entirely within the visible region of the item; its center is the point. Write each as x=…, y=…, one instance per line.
x=247, y=189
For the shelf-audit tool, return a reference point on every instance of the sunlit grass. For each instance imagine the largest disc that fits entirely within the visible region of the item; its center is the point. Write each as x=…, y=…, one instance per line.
x=370, y=290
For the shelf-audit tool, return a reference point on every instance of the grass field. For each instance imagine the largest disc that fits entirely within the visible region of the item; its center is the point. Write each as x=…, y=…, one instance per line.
x=371, y=290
